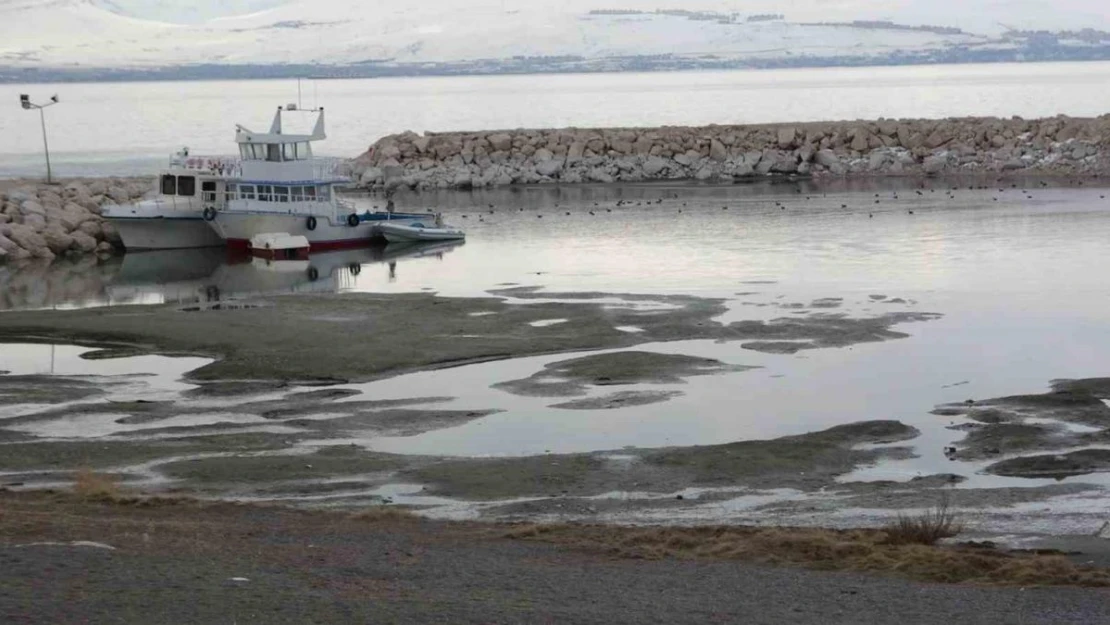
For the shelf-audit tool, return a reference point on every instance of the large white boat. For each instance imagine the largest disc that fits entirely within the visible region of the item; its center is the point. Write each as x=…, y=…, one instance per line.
x=284, y=189
x=174, y=218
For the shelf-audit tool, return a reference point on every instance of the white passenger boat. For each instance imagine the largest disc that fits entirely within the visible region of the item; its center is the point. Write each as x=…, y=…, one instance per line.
x=174, y=219
x=283, y=188
x=419, y=231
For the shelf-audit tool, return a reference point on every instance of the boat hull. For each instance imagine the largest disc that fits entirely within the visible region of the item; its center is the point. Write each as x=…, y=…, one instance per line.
x=237, y=228
x=398, y=233
x=165, y=233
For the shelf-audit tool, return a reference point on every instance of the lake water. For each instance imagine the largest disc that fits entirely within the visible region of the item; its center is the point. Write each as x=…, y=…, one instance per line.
x=131, y=128
x=1015, y=274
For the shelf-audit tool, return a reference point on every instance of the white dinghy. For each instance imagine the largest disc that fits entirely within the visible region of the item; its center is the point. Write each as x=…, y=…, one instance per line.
x=397, y=232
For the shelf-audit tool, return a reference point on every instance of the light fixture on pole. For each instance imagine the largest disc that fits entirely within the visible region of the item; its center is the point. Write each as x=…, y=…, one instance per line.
x=27, y=104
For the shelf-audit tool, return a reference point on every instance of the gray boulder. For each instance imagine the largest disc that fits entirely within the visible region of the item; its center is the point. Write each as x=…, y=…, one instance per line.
x=32, y=207
x=371, y=176
x=12, y=251
x=550, y=167
x=57, y=239
x=25, y=237
x=654, y=166
x=826, y=158
x=935, y=164
x=119, y=195
x=600, y=175
x=717, y=151
x=82, y=242
x=500, y=141
x=786, y=137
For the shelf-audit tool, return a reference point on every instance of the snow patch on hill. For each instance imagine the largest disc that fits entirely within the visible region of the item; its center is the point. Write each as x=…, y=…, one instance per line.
x=138, y=33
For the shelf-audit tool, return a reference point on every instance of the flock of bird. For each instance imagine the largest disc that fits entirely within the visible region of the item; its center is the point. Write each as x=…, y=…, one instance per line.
x=949, y=194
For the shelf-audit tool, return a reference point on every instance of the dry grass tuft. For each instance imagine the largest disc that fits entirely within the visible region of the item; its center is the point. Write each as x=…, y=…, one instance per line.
x=855, y=550
x=92, y=486
x=926, y=528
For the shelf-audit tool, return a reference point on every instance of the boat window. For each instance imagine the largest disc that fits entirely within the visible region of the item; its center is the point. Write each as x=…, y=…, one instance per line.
x=264, y=191
x=246, y=191
x=169, y=185
x=245, y=152
x=323, y=193
x=281, y=194
x=230, y=192
x=310, y=194
x=186, y=186
x=296, y=194
x=304, y=150
x=289, y=151
x=273, y=152
x=208, y=190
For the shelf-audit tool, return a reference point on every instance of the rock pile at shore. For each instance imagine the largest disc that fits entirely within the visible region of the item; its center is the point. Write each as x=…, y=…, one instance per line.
x=47, y=221
x=1058, y=145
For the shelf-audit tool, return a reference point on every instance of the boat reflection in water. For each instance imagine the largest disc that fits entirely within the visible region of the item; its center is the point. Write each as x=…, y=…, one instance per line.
x=207, y=275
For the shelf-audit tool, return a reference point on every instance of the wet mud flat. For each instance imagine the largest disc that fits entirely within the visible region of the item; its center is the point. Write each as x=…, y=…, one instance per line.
x=254, y=416
x=272, y=417
x=352, y=337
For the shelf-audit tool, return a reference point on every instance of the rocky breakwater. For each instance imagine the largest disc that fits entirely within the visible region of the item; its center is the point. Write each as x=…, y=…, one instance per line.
x=47, y=221
x=1058, y=145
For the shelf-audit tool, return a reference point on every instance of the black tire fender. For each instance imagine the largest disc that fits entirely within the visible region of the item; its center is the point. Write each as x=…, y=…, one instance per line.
x=313, y=274
x=310, y=223
x=209, y=214
x=353, y=220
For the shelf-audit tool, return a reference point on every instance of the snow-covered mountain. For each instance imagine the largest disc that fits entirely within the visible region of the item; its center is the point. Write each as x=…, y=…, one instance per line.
x=186, y=11
x=152, y=33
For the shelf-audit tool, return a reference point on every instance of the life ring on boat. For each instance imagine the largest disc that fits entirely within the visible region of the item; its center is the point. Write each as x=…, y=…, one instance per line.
x=313, y=274
x=310, y=223
x=355, y=269
x=352, y=220
x=209, y=213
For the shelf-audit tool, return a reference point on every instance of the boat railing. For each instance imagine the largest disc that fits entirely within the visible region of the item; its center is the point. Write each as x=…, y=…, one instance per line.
x=331, y=169
x=220, y=166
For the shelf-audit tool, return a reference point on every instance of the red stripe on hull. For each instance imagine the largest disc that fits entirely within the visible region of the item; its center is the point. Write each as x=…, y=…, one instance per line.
x=314, y=246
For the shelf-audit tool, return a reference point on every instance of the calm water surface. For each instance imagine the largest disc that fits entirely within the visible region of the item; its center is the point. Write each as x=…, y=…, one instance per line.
x=131, y=128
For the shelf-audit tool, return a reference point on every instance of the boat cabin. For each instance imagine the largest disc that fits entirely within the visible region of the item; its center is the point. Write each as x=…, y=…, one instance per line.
x=192, y=189
x=279, y=171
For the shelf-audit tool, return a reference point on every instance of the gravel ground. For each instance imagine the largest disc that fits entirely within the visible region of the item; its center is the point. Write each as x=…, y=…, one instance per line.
x=178, y=563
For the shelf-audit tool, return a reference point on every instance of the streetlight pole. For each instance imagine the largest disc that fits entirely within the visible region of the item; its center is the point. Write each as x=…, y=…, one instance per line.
x=25, y=102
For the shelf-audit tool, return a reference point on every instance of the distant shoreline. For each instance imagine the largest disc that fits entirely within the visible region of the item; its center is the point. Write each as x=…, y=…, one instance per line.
x=529, y=66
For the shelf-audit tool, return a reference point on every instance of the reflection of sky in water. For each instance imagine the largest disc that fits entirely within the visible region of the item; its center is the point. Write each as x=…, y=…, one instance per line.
x=1037, y=251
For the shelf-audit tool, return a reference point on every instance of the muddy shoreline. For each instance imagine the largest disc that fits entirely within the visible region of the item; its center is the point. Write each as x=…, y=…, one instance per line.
x=269, y=415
